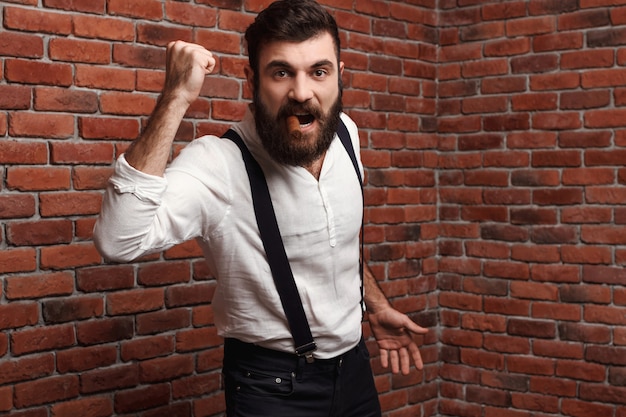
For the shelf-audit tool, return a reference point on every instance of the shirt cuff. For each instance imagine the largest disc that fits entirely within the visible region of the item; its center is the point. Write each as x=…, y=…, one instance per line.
x=145, y=187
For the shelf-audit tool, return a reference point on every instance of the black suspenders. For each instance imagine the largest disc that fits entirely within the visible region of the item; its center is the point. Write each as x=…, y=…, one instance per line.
x=273, y=243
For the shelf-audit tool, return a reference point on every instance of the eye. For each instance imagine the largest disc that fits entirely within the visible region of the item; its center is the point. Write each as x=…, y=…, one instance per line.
x=320, y=73
x=281, y=74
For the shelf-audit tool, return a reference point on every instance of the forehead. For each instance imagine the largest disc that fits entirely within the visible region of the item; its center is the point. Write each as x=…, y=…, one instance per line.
x=299, y=54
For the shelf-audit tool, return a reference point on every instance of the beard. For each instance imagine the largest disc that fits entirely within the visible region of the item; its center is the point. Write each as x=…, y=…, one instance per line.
x=276, y=139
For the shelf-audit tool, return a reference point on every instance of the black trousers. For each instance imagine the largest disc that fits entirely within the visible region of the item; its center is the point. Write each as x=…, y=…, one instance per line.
x=260, y=382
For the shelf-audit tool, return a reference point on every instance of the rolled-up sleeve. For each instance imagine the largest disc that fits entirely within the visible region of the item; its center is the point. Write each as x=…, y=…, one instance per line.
x=129, y=207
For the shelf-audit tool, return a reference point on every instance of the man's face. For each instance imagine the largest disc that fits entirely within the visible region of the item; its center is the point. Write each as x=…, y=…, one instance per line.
x=301, y=79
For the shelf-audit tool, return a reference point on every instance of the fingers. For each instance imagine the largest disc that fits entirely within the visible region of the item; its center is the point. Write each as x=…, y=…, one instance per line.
x=417, y=357
x=400, y=359
x=187, y=66
x=413, y=327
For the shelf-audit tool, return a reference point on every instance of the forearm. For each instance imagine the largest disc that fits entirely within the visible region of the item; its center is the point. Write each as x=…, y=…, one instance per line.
x=151, y=152
x=375, y=299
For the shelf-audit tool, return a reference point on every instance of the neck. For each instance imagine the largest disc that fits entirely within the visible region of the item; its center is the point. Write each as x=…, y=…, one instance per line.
x=315, y=167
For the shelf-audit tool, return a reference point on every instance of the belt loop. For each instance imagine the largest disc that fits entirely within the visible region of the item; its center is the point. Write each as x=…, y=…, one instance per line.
x=300, y=368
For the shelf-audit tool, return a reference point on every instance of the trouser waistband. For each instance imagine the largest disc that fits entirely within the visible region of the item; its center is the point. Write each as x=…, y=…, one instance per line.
x=237, y=348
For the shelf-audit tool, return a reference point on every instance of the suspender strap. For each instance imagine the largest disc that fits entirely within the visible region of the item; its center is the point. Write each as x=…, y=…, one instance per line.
x=344, y=136
x=275, y=249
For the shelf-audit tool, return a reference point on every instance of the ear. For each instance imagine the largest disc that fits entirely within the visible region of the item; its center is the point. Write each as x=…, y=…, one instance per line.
x=249, y=77
x=341, y=66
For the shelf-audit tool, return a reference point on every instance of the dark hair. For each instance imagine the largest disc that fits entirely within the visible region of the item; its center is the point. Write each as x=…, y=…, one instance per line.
x=291, y=21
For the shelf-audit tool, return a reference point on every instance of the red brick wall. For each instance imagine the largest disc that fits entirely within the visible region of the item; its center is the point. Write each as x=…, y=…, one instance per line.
x=532, y=193
x=494, y=139
x=78, y=79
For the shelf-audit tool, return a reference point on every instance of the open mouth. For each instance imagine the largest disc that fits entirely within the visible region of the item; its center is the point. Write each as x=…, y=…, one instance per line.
x=305, y=119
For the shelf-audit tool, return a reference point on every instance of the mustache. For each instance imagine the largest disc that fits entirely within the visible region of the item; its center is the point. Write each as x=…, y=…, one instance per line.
x=294, y=107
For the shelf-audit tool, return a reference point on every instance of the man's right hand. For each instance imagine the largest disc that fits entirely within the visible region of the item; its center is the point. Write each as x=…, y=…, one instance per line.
x=187, y=64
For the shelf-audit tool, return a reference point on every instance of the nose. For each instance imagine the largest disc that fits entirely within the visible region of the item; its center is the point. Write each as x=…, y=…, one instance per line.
x=301, y=90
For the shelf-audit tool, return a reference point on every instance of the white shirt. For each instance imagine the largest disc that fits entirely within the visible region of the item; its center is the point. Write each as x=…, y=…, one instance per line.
x=205, y=194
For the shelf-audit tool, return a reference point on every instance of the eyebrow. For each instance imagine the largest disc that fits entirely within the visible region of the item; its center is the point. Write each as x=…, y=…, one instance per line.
x=285, y=64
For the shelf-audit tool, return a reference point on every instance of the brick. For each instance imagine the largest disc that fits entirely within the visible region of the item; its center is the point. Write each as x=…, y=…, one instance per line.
x=135, y=301
x=90, y=6
x=581, y=215
x=70, y=203
x=37, y=179
x=139, y=56
x=17, y=206
x=69, y=256
x=83, y=359
x=39, y=286
x=583, y=371
x=161, y=321
x=185, y=250
x=535, y=254
x=587, y=333
x=42, y=339
x=77, y=308
x=57, y=99
x=530, y=26
x=6, y=398
x=14, y=152
x=606, y=37
x=127, y=104
x=578, y=408
x=197, y=339
x=16, y=315
x=147, y=347
x=165, y=369
x=461, y=338
x=564, y=80
x=603, y=314
x=17, y=260
x=36, y=20
x=107, y=379
x=108, y=128
x=199, y=16
x=35, y=72
x=555, y=349
x=92, y=407
x=143, y=9
x=21, y=45
x=553, y=386
x=13, y=97
x=41, y=125
x=558, y=41
x=27, y=368
x=507, y=47
x=173, y=410
x=82, y=153
x=91, y=178
x=531, y=328
x=105, y=78
x=101, y=27
x=604, y=275
x=85, y=51
x=161, y=274
x=105, y=278
x=128, y=401
x=160, y=35
x=488, y=396
x=188, y=295
x=45, y=232
x=582, y=19
x=482, y=359
x=195, y=386
x=104, y=330
x=554, y=311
